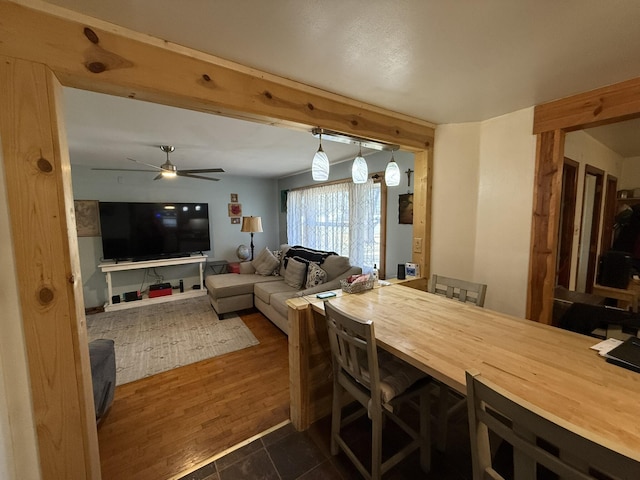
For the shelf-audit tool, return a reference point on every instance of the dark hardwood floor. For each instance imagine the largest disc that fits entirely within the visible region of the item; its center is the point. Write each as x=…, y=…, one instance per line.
x=165, y=425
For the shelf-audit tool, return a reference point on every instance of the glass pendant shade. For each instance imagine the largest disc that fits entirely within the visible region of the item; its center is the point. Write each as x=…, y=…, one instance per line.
x=320, y=165
x=392, y=173
x=359, y=170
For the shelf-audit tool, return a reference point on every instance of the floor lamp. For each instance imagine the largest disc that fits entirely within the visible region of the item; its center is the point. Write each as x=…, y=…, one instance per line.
x=251, y=225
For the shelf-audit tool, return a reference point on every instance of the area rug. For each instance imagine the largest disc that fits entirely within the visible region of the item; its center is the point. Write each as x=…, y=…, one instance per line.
x=156, y=338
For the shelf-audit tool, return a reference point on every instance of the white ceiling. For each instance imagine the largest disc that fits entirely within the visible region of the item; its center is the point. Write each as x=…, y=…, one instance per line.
x=442, y=61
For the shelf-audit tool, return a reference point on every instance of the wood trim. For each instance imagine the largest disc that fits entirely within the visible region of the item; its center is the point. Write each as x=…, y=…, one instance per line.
x=86, y=53
x=609, y=104
x=552, y=120
x=94, y=55
x=38, y=186
x=568, y=205
x=422, y=199
x=594, y=234
x=610, y=207
x=545, y=223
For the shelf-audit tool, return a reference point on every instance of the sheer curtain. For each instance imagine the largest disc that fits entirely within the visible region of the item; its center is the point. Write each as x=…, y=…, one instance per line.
x=342, y=217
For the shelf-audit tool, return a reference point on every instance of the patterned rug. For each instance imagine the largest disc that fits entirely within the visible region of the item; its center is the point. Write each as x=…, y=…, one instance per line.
x=157, y=338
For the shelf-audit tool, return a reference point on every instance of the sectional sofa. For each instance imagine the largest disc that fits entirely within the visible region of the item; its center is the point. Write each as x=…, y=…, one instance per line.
x=268, y=281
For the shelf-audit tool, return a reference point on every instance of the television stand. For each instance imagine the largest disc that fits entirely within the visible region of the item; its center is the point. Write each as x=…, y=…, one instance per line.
x=110, y=267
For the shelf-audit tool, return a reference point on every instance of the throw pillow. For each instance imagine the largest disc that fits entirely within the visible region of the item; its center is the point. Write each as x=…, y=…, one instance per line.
x=315, y=275
x=265, y=263
x=278, y=255
x=294, y=274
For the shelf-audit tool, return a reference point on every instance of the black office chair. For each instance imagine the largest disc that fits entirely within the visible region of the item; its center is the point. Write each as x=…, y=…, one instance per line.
x=588, y=319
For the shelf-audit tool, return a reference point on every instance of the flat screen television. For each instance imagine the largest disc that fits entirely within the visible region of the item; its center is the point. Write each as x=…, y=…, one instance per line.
x=147, y=231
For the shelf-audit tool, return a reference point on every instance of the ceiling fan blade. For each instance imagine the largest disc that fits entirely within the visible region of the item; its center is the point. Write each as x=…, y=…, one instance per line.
x=203, y=170
x=143, y=163
x=158, y=177
x=122, y=170
x=190, y=175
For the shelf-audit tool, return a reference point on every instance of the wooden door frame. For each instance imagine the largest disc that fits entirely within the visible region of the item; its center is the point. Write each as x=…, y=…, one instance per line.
x=610, y=211
x=551, y=122
x=44, y=47
x=594, y=234
x=568, y=219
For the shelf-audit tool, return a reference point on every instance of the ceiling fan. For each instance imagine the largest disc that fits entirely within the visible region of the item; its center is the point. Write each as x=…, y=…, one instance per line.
x=168, y=169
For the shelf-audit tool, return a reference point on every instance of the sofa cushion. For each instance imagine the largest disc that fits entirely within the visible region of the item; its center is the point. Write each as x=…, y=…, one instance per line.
x=315, y=275
x=263, y=291
x=265, y=263
x=294, y=273
x=229, y=284
x=335, y=265
x=279, y=301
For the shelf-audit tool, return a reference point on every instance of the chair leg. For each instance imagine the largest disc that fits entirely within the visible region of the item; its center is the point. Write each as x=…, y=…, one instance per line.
x=336, y=416
x=443, y=418
x=425, y=421
x=376, y=444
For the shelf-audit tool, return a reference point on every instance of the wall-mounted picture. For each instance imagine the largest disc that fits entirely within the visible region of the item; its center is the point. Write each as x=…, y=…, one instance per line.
x=87, y=218
x=234, y=198
x=405, y=208
x=235, y=210
x=235, y=220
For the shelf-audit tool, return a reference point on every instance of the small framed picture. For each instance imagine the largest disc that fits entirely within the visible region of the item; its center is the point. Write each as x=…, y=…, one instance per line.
x=87, y=218
x=234, y=198
x=235, y=220
x=235, y=210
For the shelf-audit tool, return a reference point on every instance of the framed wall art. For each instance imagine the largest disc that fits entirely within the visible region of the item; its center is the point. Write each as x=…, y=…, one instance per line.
x=87, y=218
x=235, y=210
x=405, y=208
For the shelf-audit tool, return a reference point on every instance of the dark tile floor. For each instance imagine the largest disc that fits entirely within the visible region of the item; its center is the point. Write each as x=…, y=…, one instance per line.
x=289, y=455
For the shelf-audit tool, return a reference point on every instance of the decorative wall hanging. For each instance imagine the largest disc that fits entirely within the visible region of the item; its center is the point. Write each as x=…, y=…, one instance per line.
x=235, y=210
x=87, y=218
x=405, y=208
x=234, y=198
x=235, y=220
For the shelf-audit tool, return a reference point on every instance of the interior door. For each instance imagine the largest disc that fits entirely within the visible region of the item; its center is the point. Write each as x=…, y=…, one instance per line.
x=610, y=210
x=567, y=221
x=590, y=229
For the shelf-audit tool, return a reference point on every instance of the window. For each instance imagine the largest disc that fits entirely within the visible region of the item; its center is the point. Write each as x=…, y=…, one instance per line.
x=345, y=218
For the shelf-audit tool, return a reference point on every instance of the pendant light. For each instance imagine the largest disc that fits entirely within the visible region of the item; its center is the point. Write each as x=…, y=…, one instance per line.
x=392, y=173
x=320, y=165
x=359, y=170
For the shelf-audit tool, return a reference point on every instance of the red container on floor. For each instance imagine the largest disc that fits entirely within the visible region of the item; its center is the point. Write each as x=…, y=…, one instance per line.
x=233, y=267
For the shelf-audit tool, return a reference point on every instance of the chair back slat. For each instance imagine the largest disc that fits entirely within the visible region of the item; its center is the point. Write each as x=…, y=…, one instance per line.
x=460, y=290
x=537, y=438
x=353, y=344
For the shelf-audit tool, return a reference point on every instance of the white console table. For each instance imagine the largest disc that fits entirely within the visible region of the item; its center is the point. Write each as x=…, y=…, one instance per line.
x=109, y=267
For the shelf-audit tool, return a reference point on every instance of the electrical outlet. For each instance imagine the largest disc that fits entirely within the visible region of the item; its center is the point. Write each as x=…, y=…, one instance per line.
x=417, y=245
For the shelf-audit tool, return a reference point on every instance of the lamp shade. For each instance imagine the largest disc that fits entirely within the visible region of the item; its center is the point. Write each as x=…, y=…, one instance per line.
x=359, y=170
x=320, y=166
x=392, y=173
x=251, y=224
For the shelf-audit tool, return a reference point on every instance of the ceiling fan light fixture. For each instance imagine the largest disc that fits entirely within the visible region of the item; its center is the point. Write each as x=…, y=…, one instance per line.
x=169, y=170
x=320, y=165
x=392, y=173
x=359, y=169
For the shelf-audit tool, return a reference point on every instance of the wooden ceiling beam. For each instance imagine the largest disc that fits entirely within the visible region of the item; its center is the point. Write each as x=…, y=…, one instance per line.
x=94, y=55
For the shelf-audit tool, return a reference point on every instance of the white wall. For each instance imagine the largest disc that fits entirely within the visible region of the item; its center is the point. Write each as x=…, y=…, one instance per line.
x=257, y=196
x=482, y=202
x=398, y=235
x=455, y=196
x=505, y=205
x=18, y=447
x=630, y=176
x=584, y=149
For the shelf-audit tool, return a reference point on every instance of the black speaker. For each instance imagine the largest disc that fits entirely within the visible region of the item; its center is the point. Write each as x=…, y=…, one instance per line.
x=115, y=299
x=402, y=271
x=131, y=296
x=615, y=269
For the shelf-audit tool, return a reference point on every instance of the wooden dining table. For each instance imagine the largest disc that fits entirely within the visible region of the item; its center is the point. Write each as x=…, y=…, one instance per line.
x=553, y=369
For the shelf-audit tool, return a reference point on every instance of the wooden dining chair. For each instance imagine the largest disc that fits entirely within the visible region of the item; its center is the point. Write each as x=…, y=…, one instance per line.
x=466, y=292
x=458, y=289
x=541, y=443
x=381, y=383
